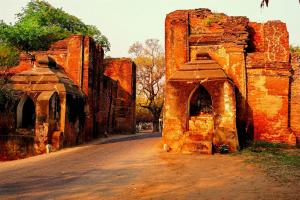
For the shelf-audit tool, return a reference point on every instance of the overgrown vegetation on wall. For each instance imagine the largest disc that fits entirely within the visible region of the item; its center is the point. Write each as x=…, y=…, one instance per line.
x=9, y=55
x=8, y=101
x=16, y=147
x=38, y=25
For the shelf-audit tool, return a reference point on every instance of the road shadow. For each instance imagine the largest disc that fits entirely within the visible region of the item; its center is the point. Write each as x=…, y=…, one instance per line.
x=131, y=138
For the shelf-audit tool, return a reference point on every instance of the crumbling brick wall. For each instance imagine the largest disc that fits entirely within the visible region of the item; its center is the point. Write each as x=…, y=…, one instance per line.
x=123, y=71
x=190, y=33
x=105, y=116
x=295, y=96
x=254, y=56
x=82, y=61
x=268, y=80
x=91, y=103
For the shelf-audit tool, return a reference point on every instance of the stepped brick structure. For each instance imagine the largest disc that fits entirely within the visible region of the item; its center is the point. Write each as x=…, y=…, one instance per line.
x=227, y=80
x=68, y=95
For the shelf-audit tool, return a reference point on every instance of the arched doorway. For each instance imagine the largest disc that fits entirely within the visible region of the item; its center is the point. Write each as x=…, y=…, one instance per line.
x=200, y=102
x=200, y=115
x=54, y=111
x=26, y=113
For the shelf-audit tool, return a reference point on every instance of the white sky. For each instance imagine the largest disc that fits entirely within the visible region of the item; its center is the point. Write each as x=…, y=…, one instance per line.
x=127, y=21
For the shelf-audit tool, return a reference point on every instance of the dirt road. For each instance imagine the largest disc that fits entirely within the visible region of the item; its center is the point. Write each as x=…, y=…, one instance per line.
x=136, y=168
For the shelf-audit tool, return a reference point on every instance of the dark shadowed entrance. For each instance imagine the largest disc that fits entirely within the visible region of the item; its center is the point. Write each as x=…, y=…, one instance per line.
x=200, y=102
x=28, y=114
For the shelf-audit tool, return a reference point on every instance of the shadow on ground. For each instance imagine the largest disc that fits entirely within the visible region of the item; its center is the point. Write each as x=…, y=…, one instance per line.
x=135, y=167
x=135, y=137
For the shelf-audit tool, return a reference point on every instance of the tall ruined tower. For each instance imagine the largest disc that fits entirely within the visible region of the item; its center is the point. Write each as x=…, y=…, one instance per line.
x=227, y=80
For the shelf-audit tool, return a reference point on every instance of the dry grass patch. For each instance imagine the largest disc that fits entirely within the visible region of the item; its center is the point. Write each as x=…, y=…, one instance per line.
x=279, y=161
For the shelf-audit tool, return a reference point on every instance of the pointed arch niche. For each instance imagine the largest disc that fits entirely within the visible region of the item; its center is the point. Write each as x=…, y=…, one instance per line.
x=26, y=113
x=200, y=102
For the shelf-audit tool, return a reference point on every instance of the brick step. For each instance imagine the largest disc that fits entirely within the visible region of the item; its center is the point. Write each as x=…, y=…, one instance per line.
x=203, y=147
x=200, y=128
x=199, y=66
x=197, y=141
x=206, y=61
x=198, y=136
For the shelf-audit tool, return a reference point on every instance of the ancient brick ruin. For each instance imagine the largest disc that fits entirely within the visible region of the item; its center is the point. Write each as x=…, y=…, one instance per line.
x=228, y=80
x=71, y=94
x=123, y=71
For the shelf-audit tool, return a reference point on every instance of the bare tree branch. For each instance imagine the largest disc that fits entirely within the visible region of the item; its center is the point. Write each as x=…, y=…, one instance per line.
x=149, y=58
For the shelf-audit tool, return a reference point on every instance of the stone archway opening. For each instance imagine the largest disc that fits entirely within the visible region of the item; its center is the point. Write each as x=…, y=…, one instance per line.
x=200, y=102
x=54, y=112
x=26, y=113
x=201, y=119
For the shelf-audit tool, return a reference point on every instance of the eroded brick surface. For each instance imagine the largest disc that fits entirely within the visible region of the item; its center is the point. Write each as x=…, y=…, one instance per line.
x=123, y=72
x=252, y=100
x=295, y=96
x=90, y=103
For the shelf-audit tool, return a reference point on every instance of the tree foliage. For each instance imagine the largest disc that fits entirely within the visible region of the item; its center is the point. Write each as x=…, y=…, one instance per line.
x=8, y=97
x=150, y=60
x=8, y=103
x=9, y=55
x=266, y=3
x=39, y=24
x=295, y=49
x=142, y=114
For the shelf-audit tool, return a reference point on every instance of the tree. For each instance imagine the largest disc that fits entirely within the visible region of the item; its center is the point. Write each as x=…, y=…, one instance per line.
x=295, y=49
x=266, y=2
x=150, y=60
x=8, y=102
x=142, y=114
x=8, y=98
x=39, y=24
x=9, y=55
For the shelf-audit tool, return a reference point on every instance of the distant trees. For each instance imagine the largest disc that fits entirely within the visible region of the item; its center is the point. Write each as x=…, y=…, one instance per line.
x=295, y=49
x=40, y=24
x=142, y=114
x=150, y=60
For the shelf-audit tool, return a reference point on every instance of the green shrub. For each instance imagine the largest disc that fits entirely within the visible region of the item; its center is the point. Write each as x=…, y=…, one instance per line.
x=40, y=24
x=223, y=149
x=213, y=19
x=8, y=99
x=9, y=55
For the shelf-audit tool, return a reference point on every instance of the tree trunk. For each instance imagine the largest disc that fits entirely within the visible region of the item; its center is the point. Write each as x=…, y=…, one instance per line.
x=155, y=124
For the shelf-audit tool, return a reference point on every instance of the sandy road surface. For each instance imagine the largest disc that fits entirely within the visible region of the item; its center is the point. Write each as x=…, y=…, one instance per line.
x=136, y=168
